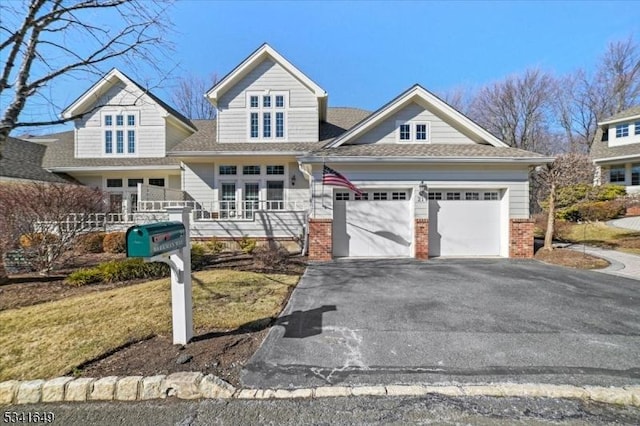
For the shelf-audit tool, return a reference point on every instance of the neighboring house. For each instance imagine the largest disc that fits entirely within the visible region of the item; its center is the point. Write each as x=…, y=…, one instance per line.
x=434, y=183
x=22, y=162
x=616, y=150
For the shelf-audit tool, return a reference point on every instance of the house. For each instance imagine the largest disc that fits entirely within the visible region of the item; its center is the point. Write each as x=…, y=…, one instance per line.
x=616, y=150
x=432, y=182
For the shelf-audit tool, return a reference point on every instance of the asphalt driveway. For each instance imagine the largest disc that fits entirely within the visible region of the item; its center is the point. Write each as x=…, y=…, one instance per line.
x=453, y=320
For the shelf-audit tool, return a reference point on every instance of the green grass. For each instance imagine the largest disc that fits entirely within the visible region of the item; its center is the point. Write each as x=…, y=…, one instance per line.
x=599, y=234
x=51, y=339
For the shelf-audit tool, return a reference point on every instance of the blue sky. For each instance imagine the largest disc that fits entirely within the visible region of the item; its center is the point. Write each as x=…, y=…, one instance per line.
x=365, y=53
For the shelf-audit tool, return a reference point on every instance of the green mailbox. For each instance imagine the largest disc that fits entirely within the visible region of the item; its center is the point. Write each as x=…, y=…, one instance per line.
x=155, y=238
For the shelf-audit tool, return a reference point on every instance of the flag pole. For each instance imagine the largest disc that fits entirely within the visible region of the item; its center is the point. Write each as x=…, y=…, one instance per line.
x=322, y=177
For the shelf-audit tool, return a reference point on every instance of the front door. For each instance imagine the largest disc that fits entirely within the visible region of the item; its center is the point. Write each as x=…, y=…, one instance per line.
x=228, y=200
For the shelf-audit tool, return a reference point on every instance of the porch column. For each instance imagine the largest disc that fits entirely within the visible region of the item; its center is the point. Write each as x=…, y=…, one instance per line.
x=320, y=239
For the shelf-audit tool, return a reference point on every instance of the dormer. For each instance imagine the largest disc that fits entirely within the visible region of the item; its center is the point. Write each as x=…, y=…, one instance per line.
x=267, y=99
x=623, y=128
x=119, y=118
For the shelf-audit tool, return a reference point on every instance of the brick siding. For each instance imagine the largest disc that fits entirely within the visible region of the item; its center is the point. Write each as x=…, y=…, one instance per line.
x=521, y=238
x=422, y=238
x=320, y=239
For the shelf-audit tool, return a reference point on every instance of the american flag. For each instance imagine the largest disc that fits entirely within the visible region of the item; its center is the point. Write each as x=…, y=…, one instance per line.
x=331, y=177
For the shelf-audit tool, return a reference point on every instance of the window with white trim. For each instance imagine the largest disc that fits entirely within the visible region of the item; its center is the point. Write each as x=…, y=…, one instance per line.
x=622, y=130
x=471, y=195
x=114, y=183
x=493, y=195
x=275, y=170
x=267, y=119
x=399, y=195
x=435, y=195
x=363, y=197
x=453, y=195
x=120, y=130
x=342, y=196
x=380, y=196
x=412, y=131
x=635, y=174
x=156, y=181
x=250, y=170
x=133, y=183
x=636, y=126
x=617, y=175
x=227, y=170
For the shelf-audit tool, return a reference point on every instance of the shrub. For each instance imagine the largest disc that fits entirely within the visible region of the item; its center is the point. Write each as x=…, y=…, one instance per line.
x=600, y=210
x=90, y=242
x=84, y=277
x=214, y=246
x=118, y=270
x=609, y=192
x=198, y=257
x=34, y=240
x=247, y=245
x=273, y=257
x=114, y=242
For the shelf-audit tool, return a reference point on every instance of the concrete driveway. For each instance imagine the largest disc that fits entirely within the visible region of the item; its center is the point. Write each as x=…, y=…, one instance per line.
x=452, y=321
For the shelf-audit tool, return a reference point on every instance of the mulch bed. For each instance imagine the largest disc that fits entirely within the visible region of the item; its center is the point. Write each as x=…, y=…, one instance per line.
x=571, y=258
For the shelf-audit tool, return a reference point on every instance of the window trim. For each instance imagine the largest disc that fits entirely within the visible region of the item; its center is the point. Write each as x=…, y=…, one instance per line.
x=622, y=130
x=267, y=114
x=618, y=170
x=413, y=131
x=128, y=116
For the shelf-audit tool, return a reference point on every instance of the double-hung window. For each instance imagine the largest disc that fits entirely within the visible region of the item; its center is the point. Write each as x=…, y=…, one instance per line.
x=617, y=175
x=267, y=116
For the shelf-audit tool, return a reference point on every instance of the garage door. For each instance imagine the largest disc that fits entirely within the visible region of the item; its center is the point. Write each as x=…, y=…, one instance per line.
x=464, y=223
x=377, y=224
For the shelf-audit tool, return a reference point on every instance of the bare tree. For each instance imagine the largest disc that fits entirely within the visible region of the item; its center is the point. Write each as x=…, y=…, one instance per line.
x=586, y=99
x=518, y=110
x=188, y=96
x=459, y=97
x=47, y=41
x=567, y=169
x=45, y=218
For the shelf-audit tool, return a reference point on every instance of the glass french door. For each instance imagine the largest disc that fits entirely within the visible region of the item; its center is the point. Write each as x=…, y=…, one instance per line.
x=228, y=200
x=251, y=198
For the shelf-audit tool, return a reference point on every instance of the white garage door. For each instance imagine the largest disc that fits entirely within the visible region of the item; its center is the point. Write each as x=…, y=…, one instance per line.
x=464, y=223
x=378, y=224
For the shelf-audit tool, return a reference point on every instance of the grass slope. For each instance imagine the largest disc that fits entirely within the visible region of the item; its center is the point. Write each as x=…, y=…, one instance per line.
x=51, y=339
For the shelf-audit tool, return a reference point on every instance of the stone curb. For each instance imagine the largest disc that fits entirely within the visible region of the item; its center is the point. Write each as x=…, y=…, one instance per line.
x=193, y=385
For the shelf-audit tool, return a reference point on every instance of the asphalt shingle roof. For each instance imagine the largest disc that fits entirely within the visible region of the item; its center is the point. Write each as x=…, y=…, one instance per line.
x=204, y=140
x=427, y=150
x=60, y=153
x=627, y=113
x=23, y=160
x=600, y=149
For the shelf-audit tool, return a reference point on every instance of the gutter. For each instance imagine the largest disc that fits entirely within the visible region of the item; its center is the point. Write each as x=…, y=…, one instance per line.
x=111, y=168
x=621, y=157
x=229, y=153
x=430, y=160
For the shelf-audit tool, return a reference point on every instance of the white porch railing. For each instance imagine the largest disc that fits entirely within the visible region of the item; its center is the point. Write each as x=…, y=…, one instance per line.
x=225, y=210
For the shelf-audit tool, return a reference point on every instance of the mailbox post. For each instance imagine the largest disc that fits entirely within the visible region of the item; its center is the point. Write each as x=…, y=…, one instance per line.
x=169, y=242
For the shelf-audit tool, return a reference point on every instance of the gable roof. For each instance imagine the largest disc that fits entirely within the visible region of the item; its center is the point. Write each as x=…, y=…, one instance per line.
x=84, y=101
x=429, y=101
x=204, y=143
x=23, y=160
x=254, y=59
x=627, y=114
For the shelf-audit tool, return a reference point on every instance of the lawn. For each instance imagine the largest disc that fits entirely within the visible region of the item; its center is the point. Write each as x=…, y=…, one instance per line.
x=601, y=235
x=51, y=339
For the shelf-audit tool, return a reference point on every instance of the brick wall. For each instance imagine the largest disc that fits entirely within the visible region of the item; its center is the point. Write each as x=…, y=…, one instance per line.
x=320, y=239
x=521, y=238
x=422, y=238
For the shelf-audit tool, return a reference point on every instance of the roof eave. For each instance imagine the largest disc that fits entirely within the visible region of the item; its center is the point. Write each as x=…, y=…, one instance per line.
x=230, y=153
x=111, y=168
x=423, y=159
x=619, y=120
x=604, y=160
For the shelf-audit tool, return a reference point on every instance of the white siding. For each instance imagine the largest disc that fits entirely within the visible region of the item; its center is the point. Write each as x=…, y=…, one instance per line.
x=441, y=132
x=175, y=135
x=198, y=181
x=512, y=179
x=175, y=182
x=302, y=116
x=275, y=224
x=150, y=132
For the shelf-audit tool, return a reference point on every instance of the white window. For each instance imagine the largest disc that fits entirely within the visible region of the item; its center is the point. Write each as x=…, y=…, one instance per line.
x=275, y=194
x=398, y=195
x=616, y=175
x=133, y=183
x=435, y=195
x=413, y=132
x=363, y=197
x=156, y=181
x=636, y=125
x=123, y=136
x=250, y=170
x=114, y=183
x=342, y=196
x=622, y=130
x=227, y=170
x=267, y=118
x=275, y=170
